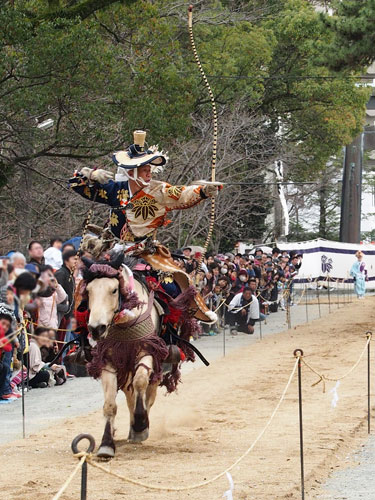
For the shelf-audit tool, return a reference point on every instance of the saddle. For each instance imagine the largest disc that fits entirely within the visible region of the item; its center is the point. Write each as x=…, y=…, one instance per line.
x=160, y=259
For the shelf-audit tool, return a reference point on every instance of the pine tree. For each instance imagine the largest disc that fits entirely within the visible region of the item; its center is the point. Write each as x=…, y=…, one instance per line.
x=353, y=36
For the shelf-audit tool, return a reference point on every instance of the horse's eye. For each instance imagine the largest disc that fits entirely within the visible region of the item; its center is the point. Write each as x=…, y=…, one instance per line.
x=114, y=291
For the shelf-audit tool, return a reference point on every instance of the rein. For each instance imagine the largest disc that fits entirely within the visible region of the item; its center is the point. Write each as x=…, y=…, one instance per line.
x=140, y=318
x=64, y=347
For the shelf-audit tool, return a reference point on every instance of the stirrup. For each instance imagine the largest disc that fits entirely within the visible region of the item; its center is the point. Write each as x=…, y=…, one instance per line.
x=174, y=356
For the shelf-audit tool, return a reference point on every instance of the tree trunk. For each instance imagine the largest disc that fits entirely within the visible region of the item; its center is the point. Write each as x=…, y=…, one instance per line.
x=350, y=227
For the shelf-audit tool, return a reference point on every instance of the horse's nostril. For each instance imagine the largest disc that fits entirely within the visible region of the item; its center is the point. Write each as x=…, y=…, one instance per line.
x=97, y=331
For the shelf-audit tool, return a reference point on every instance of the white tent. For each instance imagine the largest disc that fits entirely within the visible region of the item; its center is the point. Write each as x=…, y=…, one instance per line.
x=323, y=257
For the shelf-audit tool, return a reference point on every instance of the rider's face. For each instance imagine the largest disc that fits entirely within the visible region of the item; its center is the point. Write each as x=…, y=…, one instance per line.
x=144, y=173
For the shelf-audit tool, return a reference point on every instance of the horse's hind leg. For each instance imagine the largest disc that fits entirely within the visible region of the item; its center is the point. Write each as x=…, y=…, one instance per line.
x=109, y=383
x=138, y=401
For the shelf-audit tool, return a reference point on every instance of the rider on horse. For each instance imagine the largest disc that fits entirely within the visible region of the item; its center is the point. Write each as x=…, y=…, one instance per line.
x=139, y=205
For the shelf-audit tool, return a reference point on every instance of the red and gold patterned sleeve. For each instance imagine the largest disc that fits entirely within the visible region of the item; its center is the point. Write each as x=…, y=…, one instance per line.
x=179, y=197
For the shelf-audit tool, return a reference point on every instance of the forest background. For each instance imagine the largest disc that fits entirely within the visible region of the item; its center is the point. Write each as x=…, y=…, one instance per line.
x=285, y=79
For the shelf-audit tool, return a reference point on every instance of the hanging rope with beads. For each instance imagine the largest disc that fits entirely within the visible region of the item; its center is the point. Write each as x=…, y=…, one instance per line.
x=214, y=143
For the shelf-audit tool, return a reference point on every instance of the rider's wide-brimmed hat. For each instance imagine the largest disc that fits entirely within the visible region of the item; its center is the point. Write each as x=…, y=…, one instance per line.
x=137, y=155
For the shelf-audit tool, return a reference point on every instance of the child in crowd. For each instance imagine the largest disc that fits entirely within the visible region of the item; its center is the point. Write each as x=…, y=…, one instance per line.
x=39, y=375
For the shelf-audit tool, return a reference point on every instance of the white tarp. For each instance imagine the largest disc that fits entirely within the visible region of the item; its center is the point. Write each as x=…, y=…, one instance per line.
x=324, y=257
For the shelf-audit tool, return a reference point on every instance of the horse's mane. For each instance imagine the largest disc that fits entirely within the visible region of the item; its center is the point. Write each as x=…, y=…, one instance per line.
x=105, y=268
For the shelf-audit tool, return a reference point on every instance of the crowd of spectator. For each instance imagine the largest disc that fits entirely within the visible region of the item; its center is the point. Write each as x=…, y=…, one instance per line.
x=37, y=292
x=243, y=288
x=40, y=290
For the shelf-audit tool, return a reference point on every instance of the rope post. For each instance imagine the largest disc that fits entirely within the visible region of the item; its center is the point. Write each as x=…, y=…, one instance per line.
x=260, y=329
x=329, y=295
x=289, y=316
x=298, y=353
x=75, y=450
x=306, y=304
x=369, y=336
x=23, y=344
x=318, y=296
x=287, y=306
x=337, y=294
x=224, y=339
x=28, y=371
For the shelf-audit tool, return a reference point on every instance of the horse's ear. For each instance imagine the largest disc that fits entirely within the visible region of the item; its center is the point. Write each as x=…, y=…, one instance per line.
x=88, y=262
x=117, y=261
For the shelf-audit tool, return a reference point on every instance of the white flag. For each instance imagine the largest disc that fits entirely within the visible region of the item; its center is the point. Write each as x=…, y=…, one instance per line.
x=335, y=396
x=229, y=494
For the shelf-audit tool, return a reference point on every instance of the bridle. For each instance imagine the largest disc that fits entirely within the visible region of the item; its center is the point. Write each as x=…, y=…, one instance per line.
x=127, y=297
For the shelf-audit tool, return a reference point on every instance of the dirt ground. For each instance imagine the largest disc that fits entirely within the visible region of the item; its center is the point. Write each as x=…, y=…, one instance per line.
x=216, y=415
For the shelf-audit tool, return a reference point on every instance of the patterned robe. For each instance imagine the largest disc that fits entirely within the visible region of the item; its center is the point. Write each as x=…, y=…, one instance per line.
x=137, y=217
x=359, y=273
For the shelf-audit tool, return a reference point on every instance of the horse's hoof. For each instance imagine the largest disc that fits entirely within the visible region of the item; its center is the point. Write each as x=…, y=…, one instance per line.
x=137, y=437
x=105, y=452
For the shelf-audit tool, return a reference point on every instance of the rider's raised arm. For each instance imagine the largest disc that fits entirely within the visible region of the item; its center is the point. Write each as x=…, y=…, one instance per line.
x=180, y=197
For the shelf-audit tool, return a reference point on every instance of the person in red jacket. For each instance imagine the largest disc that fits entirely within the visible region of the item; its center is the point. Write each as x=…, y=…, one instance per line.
x=6, y=349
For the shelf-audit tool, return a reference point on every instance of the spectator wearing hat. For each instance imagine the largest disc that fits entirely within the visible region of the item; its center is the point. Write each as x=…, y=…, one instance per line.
x=242, y=281
x=52, y=255
x=24, y=284
x=187, y=252
x=33, y=270
x=36, y=253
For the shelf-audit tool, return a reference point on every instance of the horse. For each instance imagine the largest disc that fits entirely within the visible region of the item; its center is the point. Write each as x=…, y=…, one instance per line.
x=129, y=354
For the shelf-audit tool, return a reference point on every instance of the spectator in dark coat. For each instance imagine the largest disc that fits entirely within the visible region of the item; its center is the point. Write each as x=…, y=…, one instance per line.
x=36, y=253
x=65, y=278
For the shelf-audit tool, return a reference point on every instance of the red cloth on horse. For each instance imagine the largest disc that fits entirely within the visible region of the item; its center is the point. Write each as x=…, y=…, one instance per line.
x=174, y=314
x=82, y=318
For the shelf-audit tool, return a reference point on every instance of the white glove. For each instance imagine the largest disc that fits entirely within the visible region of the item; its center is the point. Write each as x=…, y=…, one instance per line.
x=211, y=190
x=99, y=175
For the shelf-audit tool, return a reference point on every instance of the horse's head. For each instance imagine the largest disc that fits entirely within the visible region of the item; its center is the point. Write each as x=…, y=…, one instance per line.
x=103, y=293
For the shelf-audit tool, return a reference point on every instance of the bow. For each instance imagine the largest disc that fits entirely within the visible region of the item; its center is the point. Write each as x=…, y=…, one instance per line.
x=214, y=142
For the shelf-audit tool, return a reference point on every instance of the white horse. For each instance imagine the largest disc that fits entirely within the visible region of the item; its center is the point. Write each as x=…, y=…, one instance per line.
x=124, y=337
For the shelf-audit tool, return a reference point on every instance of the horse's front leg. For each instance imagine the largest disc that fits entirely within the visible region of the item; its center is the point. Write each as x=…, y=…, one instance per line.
x=109, y=383
x=139, y=398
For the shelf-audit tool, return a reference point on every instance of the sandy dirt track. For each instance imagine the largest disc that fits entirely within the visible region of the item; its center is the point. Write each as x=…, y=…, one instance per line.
x=215, y=416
